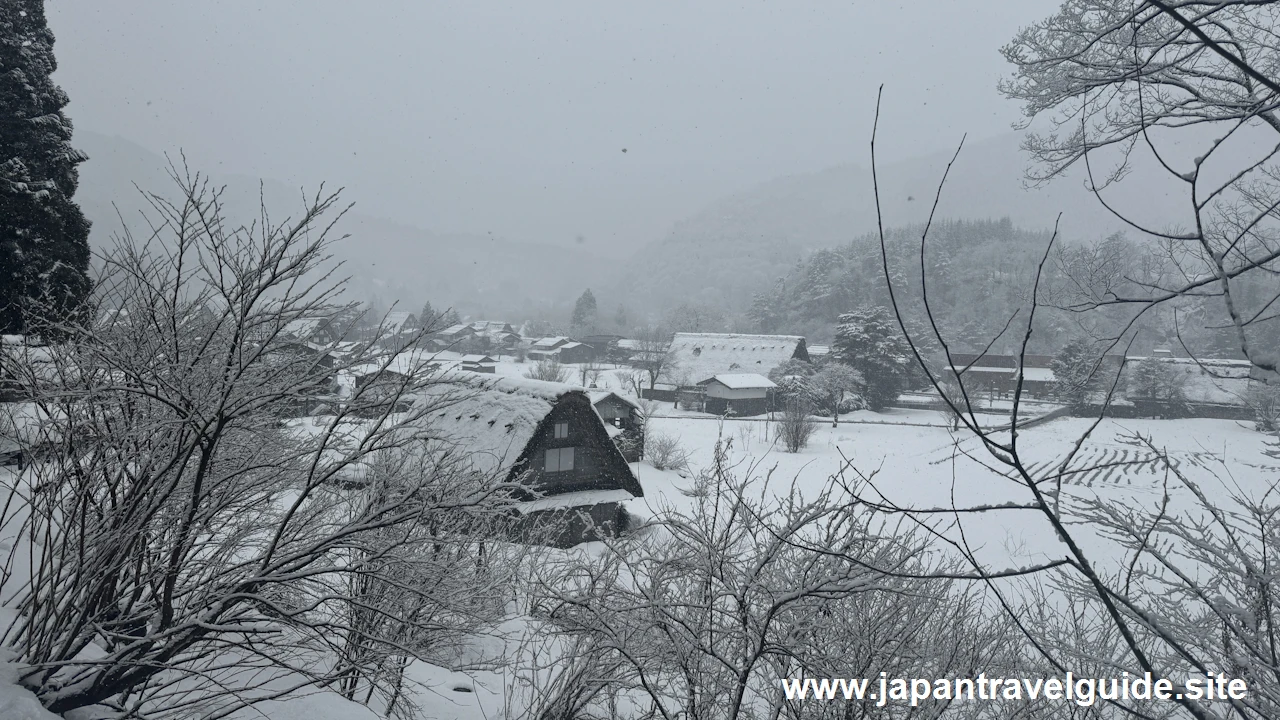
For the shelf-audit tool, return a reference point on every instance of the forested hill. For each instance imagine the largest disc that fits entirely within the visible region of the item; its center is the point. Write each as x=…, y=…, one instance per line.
x=979, y=272
x=739, y=245
x=980, y=275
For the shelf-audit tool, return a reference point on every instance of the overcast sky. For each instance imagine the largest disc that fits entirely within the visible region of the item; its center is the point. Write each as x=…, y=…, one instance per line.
x=512, y=117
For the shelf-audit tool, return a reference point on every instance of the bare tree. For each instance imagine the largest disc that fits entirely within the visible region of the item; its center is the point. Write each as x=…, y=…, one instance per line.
x=653, y=353
x=197, y=545
x=1182, y=88
x=1190, y=595
x=589, y=373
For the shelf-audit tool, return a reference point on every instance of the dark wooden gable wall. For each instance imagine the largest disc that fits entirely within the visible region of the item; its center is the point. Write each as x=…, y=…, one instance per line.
x=597, y=462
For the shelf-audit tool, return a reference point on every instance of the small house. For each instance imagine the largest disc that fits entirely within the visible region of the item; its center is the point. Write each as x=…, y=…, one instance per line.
x=562, y=349
x=497, y=335
x=576, y=352
x=547, y=437
x=451, y=338
x=603, y=344
x=622, y=421
x=400, y=321
x=478, y=364
x=738, y=394
x=318, y=330
x=546, y=348
x=315, y=362
x=376, y=389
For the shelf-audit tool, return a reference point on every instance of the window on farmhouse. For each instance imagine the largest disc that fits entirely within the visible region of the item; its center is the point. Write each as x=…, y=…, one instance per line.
x=562, y=430
x=559, y=459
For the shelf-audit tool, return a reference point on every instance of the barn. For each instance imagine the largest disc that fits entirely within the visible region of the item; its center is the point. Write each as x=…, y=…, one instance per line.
x=738, y=394
x=695, y=357
x=547, y=437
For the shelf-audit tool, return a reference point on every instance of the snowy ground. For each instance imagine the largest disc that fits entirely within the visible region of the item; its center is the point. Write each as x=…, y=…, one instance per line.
x=924, y=466
x=915, y=461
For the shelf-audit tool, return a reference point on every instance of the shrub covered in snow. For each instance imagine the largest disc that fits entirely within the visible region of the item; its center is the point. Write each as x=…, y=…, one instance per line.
x=664, y=452
x=548, y=369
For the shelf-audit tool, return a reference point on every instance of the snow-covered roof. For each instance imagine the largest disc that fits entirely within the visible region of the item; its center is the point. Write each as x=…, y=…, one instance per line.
x=743, y=381
x=491, y=326
x=305, y=327
x=493, y=418
x=459, y=329
x=1209, y=381
x=398, y=321
x=476, y=359
x=598, y=395
x=983, y=370
x=1035, y=374
x=550, y=343
x=570, y=344
x=699, y=356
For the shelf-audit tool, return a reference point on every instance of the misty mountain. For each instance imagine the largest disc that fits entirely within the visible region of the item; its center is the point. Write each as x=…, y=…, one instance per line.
x=743, y=243
x=480, y=274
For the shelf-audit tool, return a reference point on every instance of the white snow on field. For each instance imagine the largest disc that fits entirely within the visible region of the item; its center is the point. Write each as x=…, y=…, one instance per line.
x=923, y=467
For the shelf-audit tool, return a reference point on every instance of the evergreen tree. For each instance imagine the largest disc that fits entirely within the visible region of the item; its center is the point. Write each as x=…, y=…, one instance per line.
x=450, y=318
x=44, y=237
x=584, y=311
x=428, y=315
x=620, y=318
x=869, y=341
x=1076, y=372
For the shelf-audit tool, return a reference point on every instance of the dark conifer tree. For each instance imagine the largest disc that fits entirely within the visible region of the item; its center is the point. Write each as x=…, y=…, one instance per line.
x=44, y=237
x=584, y=312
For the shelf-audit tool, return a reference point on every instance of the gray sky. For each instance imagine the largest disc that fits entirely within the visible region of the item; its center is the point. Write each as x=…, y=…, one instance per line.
x=511, y=117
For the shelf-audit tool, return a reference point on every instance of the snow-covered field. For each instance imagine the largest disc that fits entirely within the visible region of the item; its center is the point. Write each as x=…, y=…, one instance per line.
x=911, y=458
x=918, y=466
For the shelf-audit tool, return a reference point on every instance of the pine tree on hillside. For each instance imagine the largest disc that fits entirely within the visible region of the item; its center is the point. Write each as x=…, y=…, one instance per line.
x=870, y=341
x=44, y=237
x=584, y=311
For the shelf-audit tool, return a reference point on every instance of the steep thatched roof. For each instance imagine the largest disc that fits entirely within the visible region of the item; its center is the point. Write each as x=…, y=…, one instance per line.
x=701, y=356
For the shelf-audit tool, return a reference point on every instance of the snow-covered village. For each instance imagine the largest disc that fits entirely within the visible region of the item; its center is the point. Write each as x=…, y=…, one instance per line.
x=497, y=360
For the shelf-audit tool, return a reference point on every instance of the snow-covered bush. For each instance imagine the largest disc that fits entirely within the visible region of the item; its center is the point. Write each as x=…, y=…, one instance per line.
x=548, y=369
x=664, y=452
x=795, y=427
